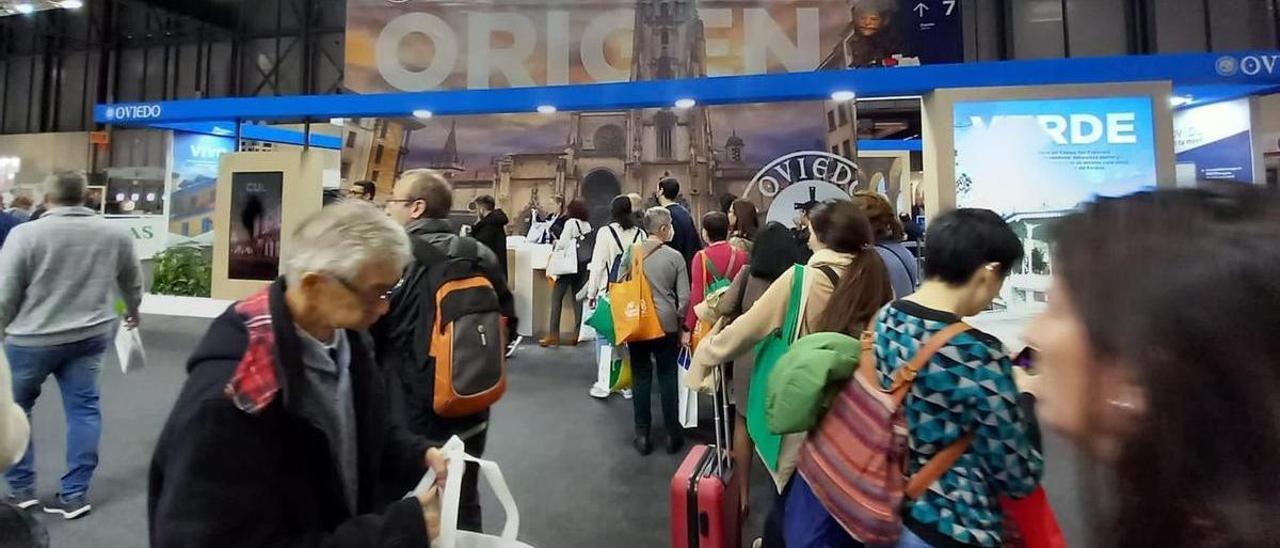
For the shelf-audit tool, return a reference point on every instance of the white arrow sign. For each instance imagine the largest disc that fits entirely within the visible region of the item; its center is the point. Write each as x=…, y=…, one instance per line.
x=920, y=9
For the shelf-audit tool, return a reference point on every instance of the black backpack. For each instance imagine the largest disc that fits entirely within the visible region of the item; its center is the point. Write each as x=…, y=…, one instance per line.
x=461, y=318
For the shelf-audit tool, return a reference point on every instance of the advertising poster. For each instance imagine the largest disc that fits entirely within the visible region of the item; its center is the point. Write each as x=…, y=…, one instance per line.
x=194, y=183
x=398, y=45
x=1215, y=142
x=256, y=213
x=1032, y=161
x=95, y=197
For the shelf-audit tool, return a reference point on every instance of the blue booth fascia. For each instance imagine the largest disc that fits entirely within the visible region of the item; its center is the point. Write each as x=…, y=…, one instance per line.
x=1215, y=76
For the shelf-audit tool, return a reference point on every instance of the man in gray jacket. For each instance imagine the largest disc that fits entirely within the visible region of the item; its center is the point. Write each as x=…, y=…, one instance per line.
x=668, y=277
x=60, y=277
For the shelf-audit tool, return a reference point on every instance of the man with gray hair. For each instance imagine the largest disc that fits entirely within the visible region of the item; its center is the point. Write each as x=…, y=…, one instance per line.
x=421, y=201
x=60, y=277
x=668, y=277
x=283, y=435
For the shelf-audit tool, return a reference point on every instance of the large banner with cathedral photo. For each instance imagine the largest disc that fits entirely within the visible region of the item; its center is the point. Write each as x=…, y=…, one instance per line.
x=417, y=45
x=778, y=155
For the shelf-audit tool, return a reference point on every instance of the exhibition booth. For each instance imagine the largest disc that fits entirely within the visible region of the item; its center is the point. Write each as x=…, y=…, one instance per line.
x=1028, y=139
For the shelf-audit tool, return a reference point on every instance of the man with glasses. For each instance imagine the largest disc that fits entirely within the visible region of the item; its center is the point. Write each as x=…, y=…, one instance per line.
x=421, y=201
x=283, y=432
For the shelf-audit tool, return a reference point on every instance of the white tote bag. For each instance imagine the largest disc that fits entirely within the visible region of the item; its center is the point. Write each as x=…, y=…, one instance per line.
x=129, y=349
x=450, y=537
x=688, y=405
x=562, y=261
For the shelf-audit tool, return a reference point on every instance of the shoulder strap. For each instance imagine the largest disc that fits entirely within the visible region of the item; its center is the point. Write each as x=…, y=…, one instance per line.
x=795, y=305
x=941, y=462
x=710, y=266
x=831, y=274
x=425, y=253
x=616, y=238
x=905, y=377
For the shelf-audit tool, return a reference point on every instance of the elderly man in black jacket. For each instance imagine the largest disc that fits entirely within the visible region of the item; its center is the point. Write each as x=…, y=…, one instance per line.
x=282, y=434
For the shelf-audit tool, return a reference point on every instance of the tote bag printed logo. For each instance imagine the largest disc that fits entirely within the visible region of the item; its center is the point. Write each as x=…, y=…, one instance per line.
x=635, y=309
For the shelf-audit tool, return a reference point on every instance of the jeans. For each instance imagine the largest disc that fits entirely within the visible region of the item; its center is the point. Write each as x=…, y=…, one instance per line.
x=75, y=366
x=646, y=357
x=568, y=284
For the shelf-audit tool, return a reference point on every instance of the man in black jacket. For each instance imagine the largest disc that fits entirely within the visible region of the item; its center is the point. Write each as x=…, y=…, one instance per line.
x=421, y=201
x=688, y=241
x=282, y=435
x=491, y=229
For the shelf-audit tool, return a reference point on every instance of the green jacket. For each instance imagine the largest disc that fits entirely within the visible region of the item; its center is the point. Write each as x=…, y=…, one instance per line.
x=807, y=379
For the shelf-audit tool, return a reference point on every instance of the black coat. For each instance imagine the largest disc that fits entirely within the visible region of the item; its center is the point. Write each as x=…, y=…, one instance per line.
x=492, y=232
x=222, y=477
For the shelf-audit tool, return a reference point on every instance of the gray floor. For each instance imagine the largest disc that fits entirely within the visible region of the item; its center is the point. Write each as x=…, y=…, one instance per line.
x=565, y=455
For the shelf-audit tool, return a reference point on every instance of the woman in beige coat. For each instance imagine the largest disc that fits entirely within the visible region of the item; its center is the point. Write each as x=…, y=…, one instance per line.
x=844, y=269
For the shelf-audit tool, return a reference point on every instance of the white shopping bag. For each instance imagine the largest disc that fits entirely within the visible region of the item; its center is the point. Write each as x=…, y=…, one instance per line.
x=450, y=537
x=688, y=405
x=562, y=262
x=586, y=333
x=129, y=349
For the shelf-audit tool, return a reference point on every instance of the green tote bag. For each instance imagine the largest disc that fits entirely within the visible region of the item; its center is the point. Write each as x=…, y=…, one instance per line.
x=768, y=352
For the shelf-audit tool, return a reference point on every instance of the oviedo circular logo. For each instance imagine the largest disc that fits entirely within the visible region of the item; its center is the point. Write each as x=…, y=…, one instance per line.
x=800, y=179
x=1227, y=66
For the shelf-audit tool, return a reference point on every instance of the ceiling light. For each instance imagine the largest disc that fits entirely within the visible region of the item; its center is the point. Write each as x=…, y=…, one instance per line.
x=337, y=121
x=1180, y=100
x=843, y=95
x=546, y=109
x=24, y=8
x=685, y=103
x=422, y=113
x=71, y=4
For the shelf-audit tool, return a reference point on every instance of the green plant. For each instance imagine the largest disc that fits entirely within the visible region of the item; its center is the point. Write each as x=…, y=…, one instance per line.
x=183, y=271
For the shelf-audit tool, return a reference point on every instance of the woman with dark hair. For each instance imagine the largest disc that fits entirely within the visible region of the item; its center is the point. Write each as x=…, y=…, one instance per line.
x=744, y=221
x=773, y=253
x=963, y=400
x=575, y=229
x=903, y=271
x=612, y=241
x=843, y=270
x=1158, y=355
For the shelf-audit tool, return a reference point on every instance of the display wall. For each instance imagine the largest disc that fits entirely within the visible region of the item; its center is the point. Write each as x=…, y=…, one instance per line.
x=260, y=199
x=754, y=151
x=1034, y=154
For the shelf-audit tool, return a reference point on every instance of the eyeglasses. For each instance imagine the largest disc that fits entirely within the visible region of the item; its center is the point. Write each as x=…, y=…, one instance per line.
x=362, y=294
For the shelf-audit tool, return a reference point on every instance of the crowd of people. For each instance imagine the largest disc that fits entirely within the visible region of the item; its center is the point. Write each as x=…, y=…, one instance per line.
x=313, y=406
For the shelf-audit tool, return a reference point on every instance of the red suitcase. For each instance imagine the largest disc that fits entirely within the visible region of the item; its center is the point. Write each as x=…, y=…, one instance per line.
x=704, y=491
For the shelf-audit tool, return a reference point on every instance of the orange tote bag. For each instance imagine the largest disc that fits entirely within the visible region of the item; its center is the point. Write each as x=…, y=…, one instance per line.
x=635, y=317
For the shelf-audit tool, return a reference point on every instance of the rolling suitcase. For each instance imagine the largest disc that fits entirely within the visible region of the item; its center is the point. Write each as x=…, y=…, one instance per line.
x=704, y=490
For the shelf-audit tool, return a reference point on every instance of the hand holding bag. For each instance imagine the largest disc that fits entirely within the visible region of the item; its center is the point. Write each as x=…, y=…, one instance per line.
x=450, y=536
x=129, y=349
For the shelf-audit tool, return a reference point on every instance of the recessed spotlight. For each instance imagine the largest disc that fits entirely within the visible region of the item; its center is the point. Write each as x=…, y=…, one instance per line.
x=24, y=8
x=422, y=113
x=1179, y=100
x=685, y=103
x=71, y=4
x=843, y=95
x=546, y=109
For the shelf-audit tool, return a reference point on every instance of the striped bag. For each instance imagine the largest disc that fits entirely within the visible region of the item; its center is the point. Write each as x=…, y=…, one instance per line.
x=855, y=460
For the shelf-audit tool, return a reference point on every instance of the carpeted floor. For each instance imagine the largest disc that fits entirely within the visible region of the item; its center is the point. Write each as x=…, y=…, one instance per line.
x=566, y=456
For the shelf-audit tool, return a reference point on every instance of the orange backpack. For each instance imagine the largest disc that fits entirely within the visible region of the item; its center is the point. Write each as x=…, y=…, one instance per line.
x=468, y=332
